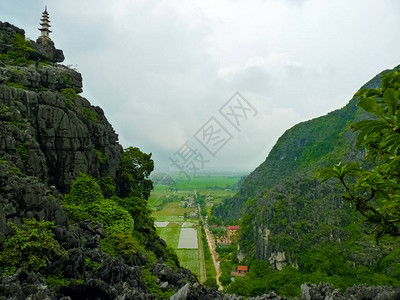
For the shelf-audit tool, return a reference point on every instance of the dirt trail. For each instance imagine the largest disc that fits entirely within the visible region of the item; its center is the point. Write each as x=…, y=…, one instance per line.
x=211, y=246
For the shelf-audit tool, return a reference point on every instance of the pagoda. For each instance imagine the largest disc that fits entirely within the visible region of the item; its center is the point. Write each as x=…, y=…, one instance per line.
x=45, y=30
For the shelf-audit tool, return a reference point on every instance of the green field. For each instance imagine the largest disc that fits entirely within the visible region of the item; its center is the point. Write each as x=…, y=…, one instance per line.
x=166, y=203
x=170, y=235
x=158, y=194
x=207, y=182
x=168, y=218
x=189, y=259
x=171, y=209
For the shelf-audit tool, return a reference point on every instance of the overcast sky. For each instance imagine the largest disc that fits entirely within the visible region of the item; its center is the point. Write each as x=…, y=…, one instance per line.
x=164, y=71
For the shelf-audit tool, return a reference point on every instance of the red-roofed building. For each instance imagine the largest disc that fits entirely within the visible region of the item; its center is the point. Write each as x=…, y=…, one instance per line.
x=233, y=227
x=240, y=271
x=243, y=268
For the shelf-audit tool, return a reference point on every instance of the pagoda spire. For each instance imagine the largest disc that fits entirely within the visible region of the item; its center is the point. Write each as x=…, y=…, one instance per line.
x=45, y=23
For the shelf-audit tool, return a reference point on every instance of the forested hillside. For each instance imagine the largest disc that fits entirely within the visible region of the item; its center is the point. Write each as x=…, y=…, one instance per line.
x=301, y=226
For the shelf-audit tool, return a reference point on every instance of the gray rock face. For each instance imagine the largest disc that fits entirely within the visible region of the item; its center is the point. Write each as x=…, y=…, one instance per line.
x=48, y=135
x=326, y=292
x=46, y=129
x=54, y=138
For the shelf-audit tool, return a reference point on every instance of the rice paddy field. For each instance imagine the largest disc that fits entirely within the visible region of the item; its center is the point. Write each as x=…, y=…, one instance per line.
x=189, y=258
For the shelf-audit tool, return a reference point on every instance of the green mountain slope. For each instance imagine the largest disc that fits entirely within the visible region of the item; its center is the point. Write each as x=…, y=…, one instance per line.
x=289, y=218
x=305, y=147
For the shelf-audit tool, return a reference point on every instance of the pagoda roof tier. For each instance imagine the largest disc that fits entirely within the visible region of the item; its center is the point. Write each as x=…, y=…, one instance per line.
x=44, y=29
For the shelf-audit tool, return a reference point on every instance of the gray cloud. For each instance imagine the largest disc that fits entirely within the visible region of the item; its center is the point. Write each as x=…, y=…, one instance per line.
x=160, y=70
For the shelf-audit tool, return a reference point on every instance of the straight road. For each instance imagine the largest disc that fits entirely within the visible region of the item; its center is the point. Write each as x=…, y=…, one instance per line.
x=211, y=246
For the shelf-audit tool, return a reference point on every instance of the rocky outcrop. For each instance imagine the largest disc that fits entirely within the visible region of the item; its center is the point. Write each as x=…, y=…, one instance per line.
x=47, y=129
x=327, y=292
x=42, y=51
x=49, y=134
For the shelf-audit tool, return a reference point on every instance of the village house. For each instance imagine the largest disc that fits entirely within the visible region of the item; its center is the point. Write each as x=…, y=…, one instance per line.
x=240, y=271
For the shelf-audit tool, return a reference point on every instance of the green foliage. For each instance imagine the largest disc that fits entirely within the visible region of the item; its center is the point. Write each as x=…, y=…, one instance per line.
x=153, y=287
x=16, y=171
x=70, y=96
x=133, y=174
x=32, y=247
x=20, y=51
x=85, y=201
x=139, y=211
x=375, y=193
x=211, y=282
x=57, y=280
x=84, y=191
x=94, y=265
x=66, y=78
x=107, y=185
x=103, y=158
x=113, y=217
x=23, y=151
x=16, y=85
x=208, y=261
x=121, y=244
x=89, y=114
x=4, y=109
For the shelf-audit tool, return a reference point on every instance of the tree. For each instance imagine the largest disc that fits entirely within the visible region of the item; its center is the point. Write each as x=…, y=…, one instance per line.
x=375, y=191
x=133, y=174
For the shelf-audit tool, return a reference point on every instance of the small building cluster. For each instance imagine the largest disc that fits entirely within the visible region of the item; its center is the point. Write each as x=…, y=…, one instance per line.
x=228, y=236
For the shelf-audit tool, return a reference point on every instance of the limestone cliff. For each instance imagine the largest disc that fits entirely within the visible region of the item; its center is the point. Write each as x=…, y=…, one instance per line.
x=49, y=134
x=47, y=129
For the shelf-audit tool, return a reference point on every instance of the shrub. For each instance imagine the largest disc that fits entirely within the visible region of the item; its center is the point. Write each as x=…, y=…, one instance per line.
x=70, y=96
x=211, y=282
x=153, y=287
x=107, y=185
x=114, y=218
x=89, y=114
x=23, y=151
x=84, y=191
x=57, y=280
x=31, y=247
x=122, y=244
x=101, y=156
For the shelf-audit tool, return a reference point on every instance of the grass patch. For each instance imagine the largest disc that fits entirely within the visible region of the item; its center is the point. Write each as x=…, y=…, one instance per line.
x=189, y=259
x=209, y=182
x=170, y=235
x=171, y=209
x=208, y=261
x=174, y=224
x=158, y=194
x=168, y=218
